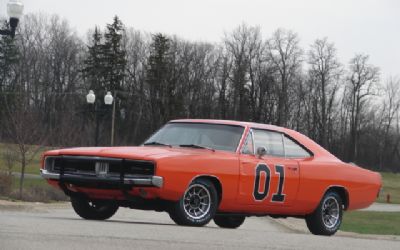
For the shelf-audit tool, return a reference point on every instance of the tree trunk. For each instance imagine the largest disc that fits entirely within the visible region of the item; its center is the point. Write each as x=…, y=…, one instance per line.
x=21, y=179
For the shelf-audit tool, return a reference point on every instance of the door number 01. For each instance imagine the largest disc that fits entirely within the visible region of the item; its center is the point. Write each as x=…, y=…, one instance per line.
x=276, y=197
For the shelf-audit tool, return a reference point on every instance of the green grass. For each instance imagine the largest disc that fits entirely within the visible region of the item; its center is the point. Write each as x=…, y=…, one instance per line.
x=365, y=222
x=35, y=190
x=32, y=167
x=391, y=185
x=28, y=183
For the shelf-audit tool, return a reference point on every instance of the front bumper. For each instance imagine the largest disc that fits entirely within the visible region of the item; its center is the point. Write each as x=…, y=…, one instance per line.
x=150, y=181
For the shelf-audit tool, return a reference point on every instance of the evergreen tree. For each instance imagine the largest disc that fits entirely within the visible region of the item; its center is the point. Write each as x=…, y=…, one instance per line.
x=114, y=55
x=157, y=75
x=94, y=63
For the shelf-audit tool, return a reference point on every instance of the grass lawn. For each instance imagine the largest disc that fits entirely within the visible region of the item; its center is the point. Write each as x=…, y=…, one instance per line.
x=391, y=185
x=35, y=190
x=32, y=167
x=366, y=222
x=28, y=183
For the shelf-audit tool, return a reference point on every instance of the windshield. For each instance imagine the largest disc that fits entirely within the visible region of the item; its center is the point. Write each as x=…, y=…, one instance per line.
x=212, y=136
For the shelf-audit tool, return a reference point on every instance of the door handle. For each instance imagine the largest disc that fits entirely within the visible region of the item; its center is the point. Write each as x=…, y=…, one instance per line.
x=292, y=168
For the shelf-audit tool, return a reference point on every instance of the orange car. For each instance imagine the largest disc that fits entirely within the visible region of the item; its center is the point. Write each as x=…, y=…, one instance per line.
x=198, y=170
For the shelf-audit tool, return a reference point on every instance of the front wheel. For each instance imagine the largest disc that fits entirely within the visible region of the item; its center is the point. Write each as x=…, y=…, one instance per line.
x=327, y=218
x=93, y=210
x=226, y=221
x=197, y=206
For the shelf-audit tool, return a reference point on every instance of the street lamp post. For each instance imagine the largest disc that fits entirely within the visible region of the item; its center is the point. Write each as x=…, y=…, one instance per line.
x=108, y=100
x=14, y=10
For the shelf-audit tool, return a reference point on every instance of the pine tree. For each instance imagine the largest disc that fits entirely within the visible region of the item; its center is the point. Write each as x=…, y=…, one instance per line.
x=157, y=75
x=114, y=55
x=94, y=63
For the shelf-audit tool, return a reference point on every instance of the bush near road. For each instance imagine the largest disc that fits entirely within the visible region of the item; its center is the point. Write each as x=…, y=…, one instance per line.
x=5, y=184
x=35, y=190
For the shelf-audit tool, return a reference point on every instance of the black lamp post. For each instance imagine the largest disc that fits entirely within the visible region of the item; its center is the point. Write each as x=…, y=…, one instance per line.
x=14, y=10
x=108, y=100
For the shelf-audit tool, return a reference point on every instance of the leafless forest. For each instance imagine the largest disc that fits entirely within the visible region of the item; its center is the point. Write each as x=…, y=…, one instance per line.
x=46, y=72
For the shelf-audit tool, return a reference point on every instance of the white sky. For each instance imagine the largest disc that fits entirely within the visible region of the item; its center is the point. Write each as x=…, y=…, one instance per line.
x=355, y=26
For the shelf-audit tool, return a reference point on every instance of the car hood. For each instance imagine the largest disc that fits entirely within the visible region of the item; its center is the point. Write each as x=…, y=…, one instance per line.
x=143, y=152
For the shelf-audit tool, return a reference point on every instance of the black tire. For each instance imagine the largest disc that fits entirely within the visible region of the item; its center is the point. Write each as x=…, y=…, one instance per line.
x=225, y=221
x=93, y=210
x=327, y=218
x=183, y=212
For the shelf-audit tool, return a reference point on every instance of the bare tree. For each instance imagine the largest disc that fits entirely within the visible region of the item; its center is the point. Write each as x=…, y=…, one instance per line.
x=237, y=45
x=285, y=52
x=23, y=127
x=224, y=64
x=136, y=45
x=389, y=111
x=324, y=74
x=363, y=78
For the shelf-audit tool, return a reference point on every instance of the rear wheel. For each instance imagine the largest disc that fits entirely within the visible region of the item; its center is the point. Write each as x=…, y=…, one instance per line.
x=229, y=221
x=93, y=210
x=197, y=205
x=327, y=218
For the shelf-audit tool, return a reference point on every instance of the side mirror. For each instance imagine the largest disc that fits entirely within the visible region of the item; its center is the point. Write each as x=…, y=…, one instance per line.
x=261, y=151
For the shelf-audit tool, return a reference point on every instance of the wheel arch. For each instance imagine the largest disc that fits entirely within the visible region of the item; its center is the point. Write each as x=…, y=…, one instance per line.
x=342, y=192
x=214, y=180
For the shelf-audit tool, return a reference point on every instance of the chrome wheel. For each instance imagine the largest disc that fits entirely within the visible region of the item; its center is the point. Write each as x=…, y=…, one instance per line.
x=330, y=212
x=197, y=201
x=197, y=206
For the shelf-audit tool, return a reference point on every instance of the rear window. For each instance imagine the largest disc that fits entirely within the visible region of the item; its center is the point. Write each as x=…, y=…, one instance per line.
x=276, y=144
x=294, y=150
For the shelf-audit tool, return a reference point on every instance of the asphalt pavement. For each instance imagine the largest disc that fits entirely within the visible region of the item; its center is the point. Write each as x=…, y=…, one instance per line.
x=56, y=226
x=27, y=176
x=383, y=207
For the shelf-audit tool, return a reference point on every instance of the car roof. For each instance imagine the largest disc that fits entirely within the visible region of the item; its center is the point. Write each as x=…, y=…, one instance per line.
x=234, y=123
x=315, y=148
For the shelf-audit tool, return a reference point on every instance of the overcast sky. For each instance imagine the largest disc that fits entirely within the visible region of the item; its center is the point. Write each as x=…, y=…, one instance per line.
x=355, y=26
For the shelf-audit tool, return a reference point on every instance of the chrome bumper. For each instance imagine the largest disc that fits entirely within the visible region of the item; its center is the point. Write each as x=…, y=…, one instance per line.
x=155, y=181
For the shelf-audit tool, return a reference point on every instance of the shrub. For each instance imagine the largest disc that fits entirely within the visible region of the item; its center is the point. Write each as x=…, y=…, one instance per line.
x=40, y=194
x=5, y=183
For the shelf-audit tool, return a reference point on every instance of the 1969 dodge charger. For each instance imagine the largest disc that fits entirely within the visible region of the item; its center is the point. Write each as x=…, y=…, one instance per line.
x=198, y=170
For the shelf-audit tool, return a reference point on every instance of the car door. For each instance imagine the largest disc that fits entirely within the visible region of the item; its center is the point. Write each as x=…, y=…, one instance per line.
x=270, y=179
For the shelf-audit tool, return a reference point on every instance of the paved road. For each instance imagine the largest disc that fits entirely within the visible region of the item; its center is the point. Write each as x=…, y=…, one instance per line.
x=383, y=207
x=57, y=227
x=27, y=176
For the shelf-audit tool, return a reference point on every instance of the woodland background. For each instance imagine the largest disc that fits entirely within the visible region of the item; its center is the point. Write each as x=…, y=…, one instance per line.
x=47, y=71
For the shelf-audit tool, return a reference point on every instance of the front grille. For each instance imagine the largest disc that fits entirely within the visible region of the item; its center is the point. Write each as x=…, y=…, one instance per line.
x=87, y=165
x=135, y=168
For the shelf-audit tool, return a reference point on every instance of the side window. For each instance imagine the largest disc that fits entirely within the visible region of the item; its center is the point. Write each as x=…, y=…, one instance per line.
x=248, y=147
x=292, y=149
x=272, y=141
